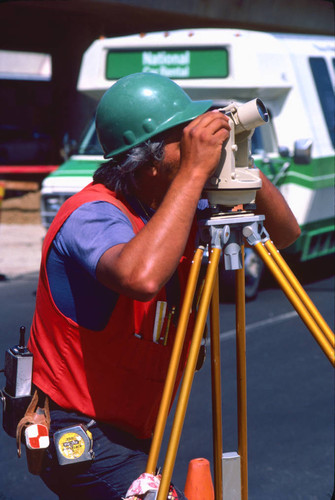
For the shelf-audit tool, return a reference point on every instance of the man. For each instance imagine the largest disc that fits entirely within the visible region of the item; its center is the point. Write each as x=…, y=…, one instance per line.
x=113, y=271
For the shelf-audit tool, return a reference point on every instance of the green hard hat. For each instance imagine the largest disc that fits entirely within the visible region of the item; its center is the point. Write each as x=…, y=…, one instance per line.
x=139, y=106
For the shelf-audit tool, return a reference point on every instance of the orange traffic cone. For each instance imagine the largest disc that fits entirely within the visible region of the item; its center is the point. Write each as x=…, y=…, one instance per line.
x=199, y=484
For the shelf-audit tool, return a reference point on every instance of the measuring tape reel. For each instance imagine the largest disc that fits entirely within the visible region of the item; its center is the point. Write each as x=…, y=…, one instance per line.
x=74, y=444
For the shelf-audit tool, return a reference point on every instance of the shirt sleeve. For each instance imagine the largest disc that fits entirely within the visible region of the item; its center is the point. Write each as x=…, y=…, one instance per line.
x=89, y=231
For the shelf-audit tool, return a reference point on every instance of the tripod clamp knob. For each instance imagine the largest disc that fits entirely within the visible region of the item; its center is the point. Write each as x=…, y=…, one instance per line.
x=255, y=233
x=219, y=235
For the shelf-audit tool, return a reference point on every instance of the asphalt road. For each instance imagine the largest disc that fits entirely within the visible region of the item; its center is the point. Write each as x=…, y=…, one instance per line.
x=290, y=396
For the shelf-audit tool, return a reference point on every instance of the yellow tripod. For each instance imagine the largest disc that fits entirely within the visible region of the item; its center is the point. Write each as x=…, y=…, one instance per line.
x=225, y=233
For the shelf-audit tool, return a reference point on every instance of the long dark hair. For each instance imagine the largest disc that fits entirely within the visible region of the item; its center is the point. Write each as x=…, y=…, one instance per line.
x=118, y=174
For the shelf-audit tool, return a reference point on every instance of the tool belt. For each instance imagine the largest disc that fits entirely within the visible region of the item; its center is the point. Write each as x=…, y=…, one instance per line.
x=35, y=427
x=73, y=443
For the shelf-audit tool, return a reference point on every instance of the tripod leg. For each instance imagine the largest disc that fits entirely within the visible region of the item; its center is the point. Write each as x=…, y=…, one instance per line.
x=296, y=302
x=216, y=389
x=174, y=362
x=241, y=377
x=188, y=375
x=300, y=292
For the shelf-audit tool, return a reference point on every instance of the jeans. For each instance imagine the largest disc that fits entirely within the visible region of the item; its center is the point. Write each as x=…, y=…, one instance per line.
x=120, y=458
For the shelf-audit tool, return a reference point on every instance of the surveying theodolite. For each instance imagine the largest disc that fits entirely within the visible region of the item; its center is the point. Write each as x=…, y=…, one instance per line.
x=235, y=182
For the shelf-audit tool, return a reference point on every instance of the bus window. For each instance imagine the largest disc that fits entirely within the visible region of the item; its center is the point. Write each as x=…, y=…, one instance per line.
x=257, y=146
x=264, y=140
x=90, y=144
x=325, y=92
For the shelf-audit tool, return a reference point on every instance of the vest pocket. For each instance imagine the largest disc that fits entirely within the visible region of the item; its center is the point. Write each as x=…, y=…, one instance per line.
x=146, y=357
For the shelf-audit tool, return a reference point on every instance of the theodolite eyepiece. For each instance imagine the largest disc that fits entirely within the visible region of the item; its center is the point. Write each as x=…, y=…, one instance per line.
x=236, y=180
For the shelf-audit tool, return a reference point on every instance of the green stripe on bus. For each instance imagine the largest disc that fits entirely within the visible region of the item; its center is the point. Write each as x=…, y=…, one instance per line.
x=316, y=175
x=317, y=239
x=77, y=168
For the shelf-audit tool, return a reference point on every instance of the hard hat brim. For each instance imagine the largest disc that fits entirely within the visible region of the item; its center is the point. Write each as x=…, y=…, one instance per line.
x=192, y=111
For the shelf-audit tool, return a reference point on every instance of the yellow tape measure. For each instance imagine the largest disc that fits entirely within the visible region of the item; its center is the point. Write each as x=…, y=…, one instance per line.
x=74, y=444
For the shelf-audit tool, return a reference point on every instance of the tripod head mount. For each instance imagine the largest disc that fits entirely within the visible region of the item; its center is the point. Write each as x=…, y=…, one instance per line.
x=236, y=179
x=227, y=232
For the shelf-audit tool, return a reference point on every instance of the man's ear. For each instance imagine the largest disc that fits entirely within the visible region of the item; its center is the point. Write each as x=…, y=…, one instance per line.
x=146, y=175
x=152, y=171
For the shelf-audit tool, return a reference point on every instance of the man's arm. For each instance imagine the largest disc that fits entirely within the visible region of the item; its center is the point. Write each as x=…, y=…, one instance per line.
x=140, y=268
x=280, y=222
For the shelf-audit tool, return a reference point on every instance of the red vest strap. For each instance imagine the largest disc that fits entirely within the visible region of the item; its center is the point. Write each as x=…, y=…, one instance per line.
x=92, y=192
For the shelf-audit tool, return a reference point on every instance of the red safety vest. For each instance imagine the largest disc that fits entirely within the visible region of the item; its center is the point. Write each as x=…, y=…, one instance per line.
x=117, y=374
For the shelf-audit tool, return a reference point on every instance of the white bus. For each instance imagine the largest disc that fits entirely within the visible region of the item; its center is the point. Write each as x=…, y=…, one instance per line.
x=294, y=75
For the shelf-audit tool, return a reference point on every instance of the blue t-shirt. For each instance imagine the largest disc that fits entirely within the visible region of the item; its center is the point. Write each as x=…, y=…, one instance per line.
x=89, y=231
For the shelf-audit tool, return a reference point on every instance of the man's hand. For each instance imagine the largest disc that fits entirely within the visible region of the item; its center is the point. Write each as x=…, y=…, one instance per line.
x=202, y=142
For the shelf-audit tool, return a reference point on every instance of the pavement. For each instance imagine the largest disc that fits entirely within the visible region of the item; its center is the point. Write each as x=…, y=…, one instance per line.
x=20, y=249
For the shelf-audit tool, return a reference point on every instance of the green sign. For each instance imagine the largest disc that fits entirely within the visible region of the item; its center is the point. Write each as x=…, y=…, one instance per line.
x=173, y=63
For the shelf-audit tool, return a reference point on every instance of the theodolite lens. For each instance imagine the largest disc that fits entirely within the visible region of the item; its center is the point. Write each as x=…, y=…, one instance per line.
x=263, y=112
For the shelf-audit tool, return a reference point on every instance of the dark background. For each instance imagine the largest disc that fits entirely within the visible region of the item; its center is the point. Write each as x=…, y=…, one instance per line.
x=65, y=29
